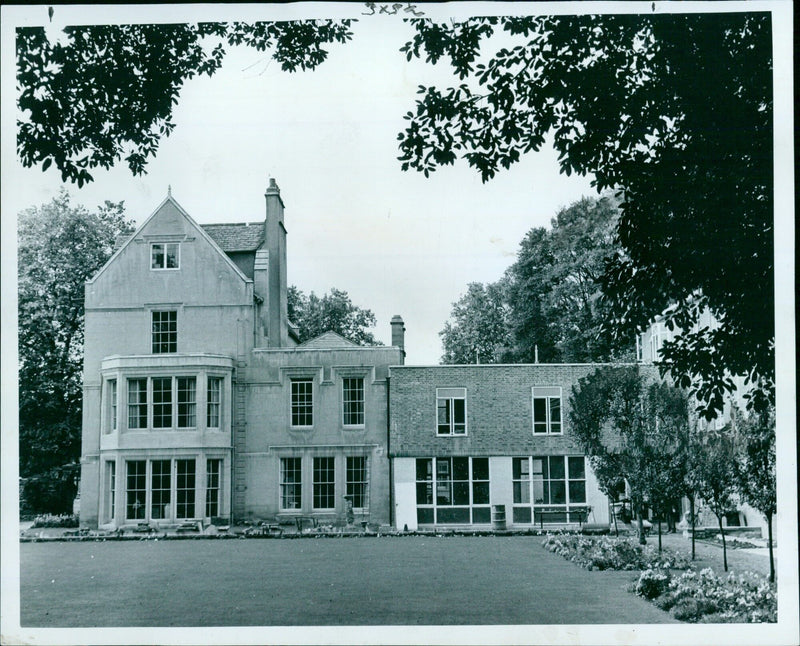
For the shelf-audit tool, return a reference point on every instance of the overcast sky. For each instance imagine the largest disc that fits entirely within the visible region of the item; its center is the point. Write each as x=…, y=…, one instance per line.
x=397, y=242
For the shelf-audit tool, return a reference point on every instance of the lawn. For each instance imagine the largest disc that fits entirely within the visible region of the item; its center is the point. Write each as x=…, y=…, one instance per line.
x=347, y=581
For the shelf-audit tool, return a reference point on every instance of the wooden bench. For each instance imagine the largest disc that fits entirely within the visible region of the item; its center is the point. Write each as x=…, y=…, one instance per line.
x=312, y=521
x=582, y=513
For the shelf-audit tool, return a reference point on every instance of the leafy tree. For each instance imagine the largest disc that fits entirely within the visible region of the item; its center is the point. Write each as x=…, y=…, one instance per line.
x=531, y=328
x=108, y=91
x=548, y=305
x=627, y=424
x=61, y=245
x=334, y=312
x=717, y=476
x=555, y=296
x=756, y=468
x=478, y=332
x=674, y=112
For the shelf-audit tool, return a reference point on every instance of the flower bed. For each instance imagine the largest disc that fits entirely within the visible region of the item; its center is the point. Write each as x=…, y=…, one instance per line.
x=610, y=553
x=48, y=520
x=706, y=598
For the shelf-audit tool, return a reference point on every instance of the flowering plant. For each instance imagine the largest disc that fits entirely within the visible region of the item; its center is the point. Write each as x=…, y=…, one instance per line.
x=610, y=553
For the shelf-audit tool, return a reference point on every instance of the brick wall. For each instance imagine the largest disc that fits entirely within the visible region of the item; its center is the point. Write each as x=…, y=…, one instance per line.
x=499, y=409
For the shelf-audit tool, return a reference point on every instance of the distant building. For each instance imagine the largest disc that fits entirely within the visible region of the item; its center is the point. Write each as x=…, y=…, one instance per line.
x=198, y=401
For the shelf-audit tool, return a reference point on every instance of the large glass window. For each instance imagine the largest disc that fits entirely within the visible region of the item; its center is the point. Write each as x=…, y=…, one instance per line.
x=136, y=490
x=214, y=402
x=185, y=488
x=302, y=402
x=324, y=483
x=353, y=401
x=291, y=483
x=165, y=331
x=162, y=402
x=357, y=482
x=547, y=410
x=165, y=255
x=160, y=488
x=453, y=490
x=555, y=485
x=451, y=411
x=187, y=402
x=137, y=403
x=213, y=473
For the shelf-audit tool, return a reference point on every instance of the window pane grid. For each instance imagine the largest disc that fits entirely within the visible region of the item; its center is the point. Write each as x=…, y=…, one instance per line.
x=162, y=402
x=357, y=480
x=214, y=401
x=553, y=483
x=137, y=403
x=136, y=490
x=302, y=402
x=185, y=488
x=112, y=488
x=213, y=469
x=165, y=332
x=291, y=483
x=160, y=487
x=353, y=401
x=187, y=402
x=323, y=483
x=461, y=487
x=547, y=410
x=112, y=403
x=165, y=255
x=451, y=411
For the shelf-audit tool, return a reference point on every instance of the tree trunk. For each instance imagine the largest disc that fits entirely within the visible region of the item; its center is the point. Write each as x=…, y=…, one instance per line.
x=771, y=558
x=640, y=525
x=693, y=521
x=724, y=548
x=614, y=514
x=659, y=534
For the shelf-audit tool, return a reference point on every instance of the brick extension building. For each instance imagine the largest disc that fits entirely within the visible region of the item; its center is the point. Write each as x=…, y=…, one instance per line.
x=463, y=439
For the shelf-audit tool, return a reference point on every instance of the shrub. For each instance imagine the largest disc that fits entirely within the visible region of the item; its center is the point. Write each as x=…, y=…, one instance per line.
x=652, y=584
x=610, y=553
x=48, y=520
x=744, y=598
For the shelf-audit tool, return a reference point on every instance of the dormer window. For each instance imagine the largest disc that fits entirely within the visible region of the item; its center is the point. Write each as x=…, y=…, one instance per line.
x=165, y=255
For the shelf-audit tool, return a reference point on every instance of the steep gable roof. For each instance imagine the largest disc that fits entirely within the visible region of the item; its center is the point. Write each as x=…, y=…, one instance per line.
x=239, y=236
x=328, y=340
x=124, y=239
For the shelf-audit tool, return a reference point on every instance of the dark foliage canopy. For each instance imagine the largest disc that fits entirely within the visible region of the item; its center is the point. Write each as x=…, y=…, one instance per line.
x=333, y=312
x=60, y=245
x=674, y=112
x=548, y=305
x=108, y=91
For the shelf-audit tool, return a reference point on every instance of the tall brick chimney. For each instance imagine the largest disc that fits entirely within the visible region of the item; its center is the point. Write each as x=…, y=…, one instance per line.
x=399, y=334
x=276, y=298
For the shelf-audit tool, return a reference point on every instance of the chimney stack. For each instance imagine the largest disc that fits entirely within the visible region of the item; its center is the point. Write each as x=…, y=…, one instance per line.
x=399, y=335
x=276, y=297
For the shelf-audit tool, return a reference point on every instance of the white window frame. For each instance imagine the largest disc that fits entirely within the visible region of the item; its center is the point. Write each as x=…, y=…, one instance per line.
x=165, y=251
x=162, y=334
x=450, y=395
x=190, y=405
x=113, y=402
x=292, y=382
x=285, y=483
x=434, y=483
x=529, y=487
x=351, y=484
x=547, y=393
x=345, y=422
x=209, y=403
x=330, y=460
